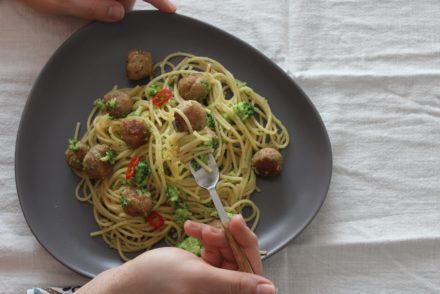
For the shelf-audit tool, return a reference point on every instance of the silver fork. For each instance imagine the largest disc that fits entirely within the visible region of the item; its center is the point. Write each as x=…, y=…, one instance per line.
x=208, y=180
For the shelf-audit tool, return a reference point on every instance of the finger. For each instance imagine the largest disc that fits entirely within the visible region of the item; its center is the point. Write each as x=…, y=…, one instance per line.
x=227, y=254
x=248, y=241
x=208, y=235
x=229, y=265
x=212, y=256
x=221, y=281
x=163, y=5
x=193, y=229
x=104, y=10
x=128, y=4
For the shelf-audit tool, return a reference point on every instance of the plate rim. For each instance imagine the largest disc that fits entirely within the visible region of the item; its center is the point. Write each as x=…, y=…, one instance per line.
x=185, y=18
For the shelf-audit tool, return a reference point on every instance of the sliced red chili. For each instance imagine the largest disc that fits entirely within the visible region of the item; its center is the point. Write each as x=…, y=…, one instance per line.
x=162, y=96
x=131, y=167
x=155, y=220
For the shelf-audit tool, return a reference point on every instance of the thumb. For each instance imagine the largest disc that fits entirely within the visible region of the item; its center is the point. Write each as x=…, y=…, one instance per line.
x=233, y=282
x=104, y=10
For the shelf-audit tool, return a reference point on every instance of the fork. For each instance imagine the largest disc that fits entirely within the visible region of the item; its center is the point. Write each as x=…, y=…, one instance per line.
x=208, y=180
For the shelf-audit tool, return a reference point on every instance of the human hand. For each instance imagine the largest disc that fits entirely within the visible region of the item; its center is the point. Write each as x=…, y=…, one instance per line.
x=217, y=251
x=173, y=270
x=104, y=10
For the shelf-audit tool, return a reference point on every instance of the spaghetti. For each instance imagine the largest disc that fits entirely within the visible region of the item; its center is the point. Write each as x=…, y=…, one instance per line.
x=168, y=154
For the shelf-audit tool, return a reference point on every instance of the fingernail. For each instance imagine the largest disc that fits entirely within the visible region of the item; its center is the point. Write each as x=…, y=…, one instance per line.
x=241, y=217
x=116, y=12
x=192, y=224
x=265, y=289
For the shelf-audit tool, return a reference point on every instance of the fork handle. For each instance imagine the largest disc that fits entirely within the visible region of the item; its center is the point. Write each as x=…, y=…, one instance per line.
x=240, y=256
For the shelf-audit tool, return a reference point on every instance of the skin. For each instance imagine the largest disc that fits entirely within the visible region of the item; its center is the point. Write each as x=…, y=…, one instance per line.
x=103, y=10
x=189, y=274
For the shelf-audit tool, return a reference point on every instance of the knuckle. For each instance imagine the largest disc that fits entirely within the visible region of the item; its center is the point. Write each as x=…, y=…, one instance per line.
x=242, y=286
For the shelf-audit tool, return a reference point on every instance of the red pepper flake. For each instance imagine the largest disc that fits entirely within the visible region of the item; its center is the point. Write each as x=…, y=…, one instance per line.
x=162, y=96
x=155, y=220
x=131, y=167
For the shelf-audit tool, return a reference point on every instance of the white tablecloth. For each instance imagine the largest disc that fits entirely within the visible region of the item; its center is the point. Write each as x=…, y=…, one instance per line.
x=372, y=68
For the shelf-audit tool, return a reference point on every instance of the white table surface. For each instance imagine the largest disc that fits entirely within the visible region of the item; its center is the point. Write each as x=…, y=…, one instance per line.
x=372, y=69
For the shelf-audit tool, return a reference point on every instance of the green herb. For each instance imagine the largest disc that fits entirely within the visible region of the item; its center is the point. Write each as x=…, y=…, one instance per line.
x=240, y=84
x=142, y=172
x=73, y=144
x=124, y=201
x=152, y=90
x=143, y=192
x=206, y=85
x=172, y=194
x=244, y=110
x=192, y=245
x=100, y=104
x=232, y=174
x=112, y=104
x=109, y=157
x=204, y=158
x=213, y=143
x=210, y=120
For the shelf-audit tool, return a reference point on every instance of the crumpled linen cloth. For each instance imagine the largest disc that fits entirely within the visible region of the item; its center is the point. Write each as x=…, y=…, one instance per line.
x=372, y=69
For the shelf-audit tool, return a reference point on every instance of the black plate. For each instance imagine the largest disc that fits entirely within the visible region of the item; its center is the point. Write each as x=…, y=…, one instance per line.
x=87, y=65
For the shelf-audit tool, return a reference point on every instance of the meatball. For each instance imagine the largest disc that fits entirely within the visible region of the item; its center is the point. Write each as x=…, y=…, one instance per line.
x=195, y=86
x=75, y=156
x=139, y=65
x=133, y=132
x=118, y=104
x=195, y=113
x=136, y=204
x=97, y=163
x=267, y=162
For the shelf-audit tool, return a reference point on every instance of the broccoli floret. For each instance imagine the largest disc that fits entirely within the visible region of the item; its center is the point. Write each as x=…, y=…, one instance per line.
x=172, y=194
x=124, y=201
x=109, y=157
x=152, y=90
x=182, y=213
x=210, y=120
x=141, y=173
x=244, y=110
x=181, y=209
x=214, y=213
x=103, y=105
x=100, y=104
x=192, y=245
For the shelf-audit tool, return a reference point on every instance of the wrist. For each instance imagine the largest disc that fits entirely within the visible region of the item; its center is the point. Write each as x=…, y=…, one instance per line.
x=107, y=282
